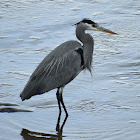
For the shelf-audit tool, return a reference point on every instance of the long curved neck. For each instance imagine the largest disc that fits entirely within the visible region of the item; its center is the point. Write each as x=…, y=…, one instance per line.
x=88, y=46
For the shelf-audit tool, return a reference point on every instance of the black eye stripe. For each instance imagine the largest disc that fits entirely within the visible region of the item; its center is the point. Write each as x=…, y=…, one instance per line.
x=88, y=21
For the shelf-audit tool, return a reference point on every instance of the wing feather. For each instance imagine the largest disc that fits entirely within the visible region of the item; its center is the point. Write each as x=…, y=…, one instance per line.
x=57, y=69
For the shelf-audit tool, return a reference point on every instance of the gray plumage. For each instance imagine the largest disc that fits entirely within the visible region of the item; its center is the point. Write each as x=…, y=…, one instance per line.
x=56, y=70
x=63, y=64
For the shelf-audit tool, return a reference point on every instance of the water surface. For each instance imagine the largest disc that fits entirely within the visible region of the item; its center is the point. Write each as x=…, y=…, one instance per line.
x=103, y=106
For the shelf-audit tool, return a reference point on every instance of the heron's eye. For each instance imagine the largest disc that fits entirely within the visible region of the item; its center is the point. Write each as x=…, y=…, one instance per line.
x=94, y=25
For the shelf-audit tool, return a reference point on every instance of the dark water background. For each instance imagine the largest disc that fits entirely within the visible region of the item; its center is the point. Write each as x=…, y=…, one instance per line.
x=104, y=106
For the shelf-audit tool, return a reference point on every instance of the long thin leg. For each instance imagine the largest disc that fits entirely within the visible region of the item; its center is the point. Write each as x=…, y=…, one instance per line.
x=58, y=99
x=62, y=102
x=63, y=123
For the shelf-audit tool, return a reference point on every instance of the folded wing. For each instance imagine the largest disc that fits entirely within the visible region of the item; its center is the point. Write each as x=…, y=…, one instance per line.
x=57, y=69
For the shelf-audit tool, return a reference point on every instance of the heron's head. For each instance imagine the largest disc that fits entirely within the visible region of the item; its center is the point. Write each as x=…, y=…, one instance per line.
x=88, y=24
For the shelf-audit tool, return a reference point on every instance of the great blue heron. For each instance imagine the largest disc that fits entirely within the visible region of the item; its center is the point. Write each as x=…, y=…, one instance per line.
x=63, y=64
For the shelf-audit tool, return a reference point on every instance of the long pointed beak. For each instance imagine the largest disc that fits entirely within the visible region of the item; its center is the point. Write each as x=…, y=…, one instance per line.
x=99, y=28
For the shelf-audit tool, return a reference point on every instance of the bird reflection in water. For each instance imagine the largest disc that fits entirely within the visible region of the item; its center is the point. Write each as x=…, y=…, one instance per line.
x=31, y=135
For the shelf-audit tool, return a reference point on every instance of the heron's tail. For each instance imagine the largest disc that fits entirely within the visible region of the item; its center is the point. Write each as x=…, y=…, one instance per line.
x=29, y=91
x=22, y=98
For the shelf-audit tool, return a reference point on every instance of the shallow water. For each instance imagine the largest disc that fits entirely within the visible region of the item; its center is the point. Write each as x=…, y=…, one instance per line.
x=102, y=106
